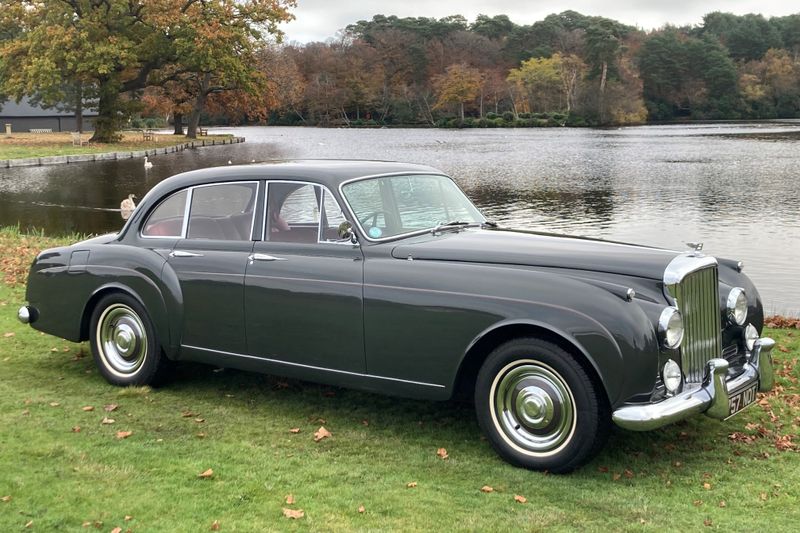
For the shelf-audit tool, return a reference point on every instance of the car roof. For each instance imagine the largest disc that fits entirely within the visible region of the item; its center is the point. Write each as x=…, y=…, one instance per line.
x=328, y=172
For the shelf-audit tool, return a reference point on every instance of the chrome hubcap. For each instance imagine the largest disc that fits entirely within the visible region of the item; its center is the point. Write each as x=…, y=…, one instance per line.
x=533, y=407
x=121, y=339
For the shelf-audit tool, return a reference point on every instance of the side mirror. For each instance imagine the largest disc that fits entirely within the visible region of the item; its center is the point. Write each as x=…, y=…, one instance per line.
x=346, y=232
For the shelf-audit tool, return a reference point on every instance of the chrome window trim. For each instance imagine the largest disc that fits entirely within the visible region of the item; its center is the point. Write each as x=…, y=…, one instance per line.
x=389, y=175
x=187, y=208
x=312, y=367
x=183, y=223
x=320, y=206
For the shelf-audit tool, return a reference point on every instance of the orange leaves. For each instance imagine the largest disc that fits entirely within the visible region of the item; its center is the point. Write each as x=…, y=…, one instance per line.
x=321, y=433
x=124, y=434
x=289, y=499
x=520, y=499
x=214, y=525
x=293, y=514
x=778, y=321
x=487, y=489
x=294, y=431
x=441, y=452
x=205, y=474
x=87, y=408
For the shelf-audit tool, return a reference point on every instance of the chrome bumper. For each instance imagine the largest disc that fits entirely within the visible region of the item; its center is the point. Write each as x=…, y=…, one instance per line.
x=711, y=398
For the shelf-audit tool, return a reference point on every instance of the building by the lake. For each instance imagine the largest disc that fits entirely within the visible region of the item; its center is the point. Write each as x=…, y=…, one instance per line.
x=24, y=116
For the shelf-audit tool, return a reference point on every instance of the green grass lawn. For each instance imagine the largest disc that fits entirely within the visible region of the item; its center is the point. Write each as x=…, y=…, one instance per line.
x=61, y=467
x=26, y=145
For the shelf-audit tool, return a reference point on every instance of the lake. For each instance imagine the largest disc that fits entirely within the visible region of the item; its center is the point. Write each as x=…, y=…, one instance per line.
x=732, y=186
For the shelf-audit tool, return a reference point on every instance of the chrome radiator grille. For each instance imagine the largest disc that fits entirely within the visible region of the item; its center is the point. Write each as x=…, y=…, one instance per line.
x=697, y=298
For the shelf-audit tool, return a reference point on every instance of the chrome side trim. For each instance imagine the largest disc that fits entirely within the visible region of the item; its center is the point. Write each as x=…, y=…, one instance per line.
x=711, y=398
x=312, y=367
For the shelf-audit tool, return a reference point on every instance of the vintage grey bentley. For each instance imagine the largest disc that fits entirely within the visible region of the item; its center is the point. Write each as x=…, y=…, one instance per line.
x=385, y=277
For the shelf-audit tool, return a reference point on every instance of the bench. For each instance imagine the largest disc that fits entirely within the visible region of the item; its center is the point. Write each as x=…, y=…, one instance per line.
x=147, y=135
x=203, y=132
x=41, y=130
x=77, y=141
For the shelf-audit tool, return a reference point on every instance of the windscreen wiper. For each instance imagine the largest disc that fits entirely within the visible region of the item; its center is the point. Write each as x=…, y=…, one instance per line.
x=453, y=224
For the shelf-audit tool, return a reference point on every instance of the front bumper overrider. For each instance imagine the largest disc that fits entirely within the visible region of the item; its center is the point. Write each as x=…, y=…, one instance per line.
x=711, y=397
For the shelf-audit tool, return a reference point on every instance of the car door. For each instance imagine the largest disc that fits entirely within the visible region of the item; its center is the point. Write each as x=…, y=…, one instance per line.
x=303, y=285
x=210, y=264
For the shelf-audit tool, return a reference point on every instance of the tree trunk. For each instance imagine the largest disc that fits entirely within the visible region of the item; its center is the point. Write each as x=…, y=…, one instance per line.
x=79, y=109
x=462, y=111
x=108, y=121
x=199, y=105
x=177, y=119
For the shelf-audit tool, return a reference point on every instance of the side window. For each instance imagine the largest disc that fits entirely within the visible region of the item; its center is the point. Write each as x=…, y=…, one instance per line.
x=332, y=216
x=166, y=220
x=222, y=212
x=292, y=213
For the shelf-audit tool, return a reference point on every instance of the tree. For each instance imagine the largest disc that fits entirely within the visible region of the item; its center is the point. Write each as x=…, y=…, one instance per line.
x=117, y=47
x=539, y=83
x=458, y=85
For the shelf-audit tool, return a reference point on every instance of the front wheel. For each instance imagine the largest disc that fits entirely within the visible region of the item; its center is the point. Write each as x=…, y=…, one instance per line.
x=124, y=343
x=539, y=408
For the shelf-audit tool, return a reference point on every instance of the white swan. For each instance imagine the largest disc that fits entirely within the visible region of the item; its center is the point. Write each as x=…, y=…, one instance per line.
x=230, y=162
x=127, y=206
x=147, y=163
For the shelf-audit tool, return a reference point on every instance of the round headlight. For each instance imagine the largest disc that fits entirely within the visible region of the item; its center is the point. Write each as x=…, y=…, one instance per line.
x=670, y=327
x=750, y=337
x=672, y=377
x=737, y=306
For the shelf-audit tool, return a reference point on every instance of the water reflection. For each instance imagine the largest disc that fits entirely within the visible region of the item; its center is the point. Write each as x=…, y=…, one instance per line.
x=732, y=186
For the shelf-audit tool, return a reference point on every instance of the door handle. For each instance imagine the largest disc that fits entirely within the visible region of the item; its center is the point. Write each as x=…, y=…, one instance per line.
x=182, y=253
x=264, y=257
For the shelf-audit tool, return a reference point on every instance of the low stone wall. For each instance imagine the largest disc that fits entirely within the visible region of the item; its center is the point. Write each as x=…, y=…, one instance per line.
x=82, y=158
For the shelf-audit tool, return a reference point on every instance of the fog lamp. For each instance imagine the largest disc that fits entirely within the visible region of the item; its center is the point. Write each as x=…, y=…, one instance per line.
x=737, y=306
x=670, y=327
x=672, y=376
x=750, y=337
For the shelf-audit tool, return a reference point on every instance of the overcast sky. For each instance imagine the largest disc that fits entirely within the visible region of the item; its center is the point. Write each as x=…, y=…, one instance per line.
x=317, y=20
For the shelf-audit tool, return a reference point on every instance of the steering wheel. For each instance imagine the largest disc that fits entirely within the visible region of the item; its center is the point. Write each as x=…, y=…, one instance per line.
x=373, y=217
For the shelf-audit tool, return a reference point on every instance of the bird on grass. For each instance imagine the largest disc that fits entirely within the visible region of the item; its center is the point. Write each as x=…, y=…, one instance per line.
x=127, y=206
x=147, y=163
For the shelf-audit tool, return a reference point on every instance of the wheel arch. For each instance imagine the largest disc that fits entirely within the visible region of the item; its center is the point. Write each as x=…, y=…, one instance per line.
x=150, y=304
x=482, y=346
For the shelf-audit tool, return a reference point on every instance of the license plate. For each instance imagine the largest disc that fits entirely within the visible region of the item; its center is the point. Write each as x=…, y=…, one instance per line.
x=742, y=399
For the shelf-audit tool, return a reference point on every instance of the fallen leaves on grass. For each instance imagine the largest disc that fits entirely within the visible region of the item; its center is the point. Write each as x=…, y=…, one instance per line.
x=215, y=525
x=441, y=452
x=707, y=486
x=723, y=503
x=9, y=334
x=26, y=412
x=411, y=484
x=361, y=509
x=116, y=530
x=321, y=433
x=294, y=430
x=708, y=522
x=6, y=499
x=128, y=518
x=107, y=420
x=199, y=420
x=29, y=524
x=487, y=489
x=54, y=404
x=76, y=429
x=520, y=499
x=206, y=473
x=124, y=434
x=188, y=414
x=290, y=499
x=293, y=514
x=779, y=321
x=628, y=473
x=111, y=407
x=87, y=408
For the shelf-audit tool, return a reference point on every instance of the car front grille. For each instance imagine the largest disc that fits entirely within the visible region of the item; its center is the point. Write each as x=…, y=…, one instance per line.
x=696, y=297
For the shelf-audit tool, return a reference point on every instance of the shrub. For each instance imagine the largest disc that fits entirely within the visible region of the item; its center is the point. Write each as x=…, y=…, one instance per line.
x=508, y=116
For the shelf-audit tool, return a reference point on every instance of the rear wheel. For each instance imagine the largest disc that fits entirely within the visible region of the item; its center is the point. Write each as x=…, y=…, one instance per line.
x=539, y=408
x=124, y=343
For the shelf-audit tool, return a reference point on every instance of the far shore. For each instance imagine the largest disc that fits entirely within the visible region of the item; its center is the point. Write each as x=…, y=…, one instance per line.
x=32, y=145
